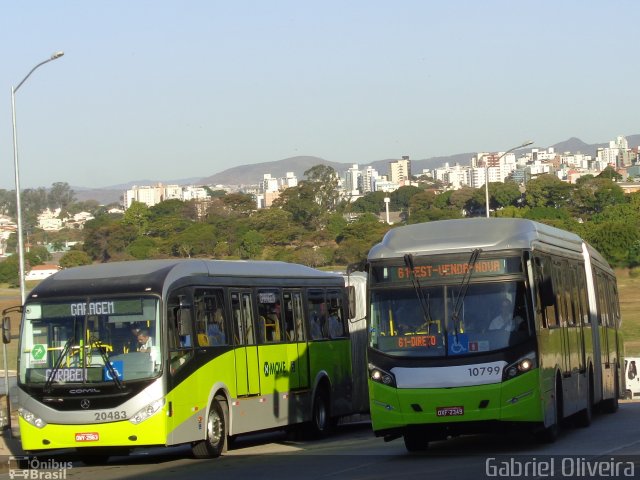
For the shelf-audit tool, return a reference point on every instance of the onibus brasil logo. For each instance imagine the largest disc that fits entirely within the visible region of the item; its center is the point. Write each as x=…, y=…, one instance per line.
x=33, y=468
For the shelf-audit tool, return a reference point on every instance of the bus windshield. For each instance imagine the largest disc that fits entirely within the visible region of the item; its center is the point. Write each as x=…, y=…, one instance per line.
x=491, y=316
x=90, y=340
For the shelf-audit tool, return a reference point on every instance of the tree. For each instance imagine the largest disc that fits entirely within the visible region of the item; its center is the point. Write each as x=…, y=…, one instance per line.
x=503, y=194
x=74, y=258
x=60, y=196
x=197, y=240
x=276, y=225
x=137, y=216
x=372, y=202
x=252, y=244
x=610, y=173
x=240, y=204
x=547, y=191
x=143, y=248
x=325, y=182
x=593, y=195
x=301, y=202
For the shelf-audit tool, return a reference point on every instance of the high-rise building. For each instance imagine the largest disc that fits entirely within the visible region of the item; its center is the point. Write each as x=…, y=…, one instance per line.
x=400, y=170
x=352, y=180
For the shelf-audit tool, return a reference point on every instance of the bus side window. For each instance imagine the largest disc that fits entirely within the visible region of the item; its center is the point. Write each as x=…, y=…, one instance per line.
x=317, y=315
x=179, y=334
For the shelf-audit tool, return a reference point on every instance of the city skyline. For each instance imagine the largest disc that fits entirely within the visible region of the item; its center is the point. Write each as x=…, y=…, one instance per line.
x=170, y=90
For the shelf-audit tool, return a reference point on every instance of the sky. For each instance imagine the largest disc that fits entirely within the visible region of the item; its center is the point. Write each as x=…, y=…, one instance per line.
x=162, y=90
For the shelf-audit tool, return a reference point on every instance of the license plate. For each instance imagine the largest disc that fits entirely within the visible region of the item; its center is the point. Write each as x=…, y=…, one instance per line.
x=87, y=437
x=449, y=411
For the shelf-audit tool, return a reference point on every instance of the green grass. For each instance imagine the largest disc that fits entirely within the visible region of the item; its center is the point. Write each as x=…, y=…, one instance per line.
x=630, y=311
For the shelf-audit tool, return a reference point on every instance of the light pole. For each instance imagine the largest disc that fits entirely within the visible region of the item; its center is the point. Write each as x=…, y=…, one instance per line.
x=19, y=221
x=17, y=173
x=386, y=206
x=486, y=173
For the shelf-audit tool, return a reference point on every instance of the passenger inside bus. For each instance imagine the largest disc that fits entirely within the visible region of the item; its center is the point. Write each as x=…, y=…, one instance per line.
x=215, y=329
x=506, y=320
x=335, y=324
x=144, y=341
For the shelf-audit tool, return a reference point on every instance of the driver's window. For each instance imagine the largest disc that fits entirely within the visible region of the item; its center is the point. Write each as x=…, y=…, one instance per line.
x=180, y=329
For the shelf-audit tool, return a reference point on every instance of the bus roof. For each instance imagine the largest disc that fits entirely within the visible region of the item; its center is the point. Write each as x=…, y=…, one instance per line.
x=449, y=236
x=154, y=274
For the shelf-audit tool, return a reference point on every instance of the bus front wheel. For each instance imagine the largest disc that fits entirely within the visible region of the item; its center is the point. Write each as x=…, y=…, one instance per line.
x=215, y=442
x=550, y=434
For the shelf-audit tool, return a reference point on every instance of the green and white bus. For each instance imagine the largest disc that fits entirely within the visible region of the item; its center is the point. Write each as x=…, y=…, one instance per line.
x=479, y=324
x=168, y=352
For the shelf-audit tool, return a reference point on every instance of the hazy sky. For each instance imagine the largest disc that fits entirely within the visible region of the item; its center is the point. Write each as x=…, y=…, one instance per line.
x=164, y=90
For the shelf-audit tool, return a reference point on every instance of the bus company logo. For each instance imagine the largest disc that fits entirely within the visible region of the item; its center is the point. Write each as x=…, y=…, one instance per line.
x=80, y=391
x=33, y=468
x=277, y=369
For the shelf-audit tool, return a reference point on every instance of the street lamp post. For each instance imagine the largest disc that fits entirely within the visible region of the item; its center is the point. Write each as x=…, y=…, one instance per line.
x=486, y=173
x=19, y=221
x=17, y=173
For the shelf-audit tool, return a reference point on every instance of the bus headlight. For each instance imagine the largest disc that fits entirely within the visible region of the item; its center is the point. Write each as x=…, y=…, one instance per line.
x=520, y=366
x=147, y=411
x=381, y=376
x=31, y=419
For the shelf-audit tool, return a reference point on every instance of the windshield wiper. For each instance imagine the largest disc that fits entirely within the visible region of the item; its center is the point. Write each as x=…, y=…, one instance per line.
x=426, y=310
x=96, y=343
x=49, y=381
x=464, y=286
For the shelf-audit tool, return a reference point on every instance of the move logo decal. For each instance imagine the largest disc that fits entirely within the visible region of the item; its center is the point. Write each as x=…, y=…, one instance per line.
x=276, y=369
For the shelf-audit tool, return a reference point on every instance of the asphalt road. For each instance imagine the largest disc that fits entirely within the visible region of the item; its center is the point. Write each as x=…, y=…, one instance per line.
x=609, y=448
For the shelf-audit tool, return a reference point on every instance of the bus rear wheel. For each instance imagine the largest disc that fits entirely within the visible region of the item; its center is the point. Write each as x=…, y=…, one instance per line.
x=584, y=416
x=320, y=414
x=215, y=442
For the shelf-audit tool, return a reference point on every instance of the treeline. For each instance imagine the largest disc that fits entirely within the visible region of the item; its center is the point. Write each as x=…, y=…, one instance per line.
x=309, y=224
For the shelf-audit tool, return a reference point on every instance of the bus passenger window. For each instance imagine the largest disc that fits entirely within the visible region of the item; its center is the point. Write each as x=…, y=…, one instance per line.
x=269, y=313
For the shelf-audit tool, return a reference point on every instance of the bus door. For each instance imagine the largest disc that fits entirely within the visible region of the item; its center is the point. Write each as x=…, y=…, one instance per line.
x=561, y=297
x=273, y=351
x=246, y=355
x=603, y=321
x=297, y=348
x=574, y=328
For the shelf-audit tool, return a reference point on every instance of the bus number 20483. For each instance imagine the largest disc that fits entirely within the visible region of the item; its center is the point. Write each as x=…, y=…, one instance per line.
x=110, y=415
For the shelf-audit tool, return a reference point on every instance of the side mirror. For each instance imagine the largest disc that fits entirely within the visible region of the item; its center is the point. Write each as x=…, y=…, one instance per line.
x=184, y=321
x=6, y=330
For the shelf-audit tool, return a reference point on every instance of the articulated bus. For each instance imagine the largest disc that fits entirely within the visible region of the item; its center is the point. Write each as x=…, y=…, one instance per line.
x=479, y=324
x=167, y=352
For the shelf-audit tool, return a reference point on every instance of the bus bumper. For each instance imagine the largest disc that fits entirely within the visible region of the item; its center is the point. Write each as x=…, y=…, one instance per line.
x=152, y=431
x=455, y=410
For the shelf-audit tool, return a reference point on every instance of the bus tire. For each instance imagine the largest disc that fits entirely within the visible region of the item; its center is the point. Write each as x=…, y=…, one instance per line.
x=320, y=414
x=416, y=442
x=215, y=443
x=550, y=434
x=584, y=416
x=610, y=405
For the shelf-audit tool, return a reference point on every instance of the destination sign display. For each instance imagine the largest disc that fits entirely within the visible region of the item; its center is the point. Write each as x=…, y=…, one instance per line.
x=97, y=307
x=435, y=269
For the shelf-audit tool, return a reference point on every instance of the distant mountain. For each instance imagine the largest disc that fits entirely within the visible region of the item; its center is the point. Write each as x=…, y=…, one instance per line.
x=254, y=173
